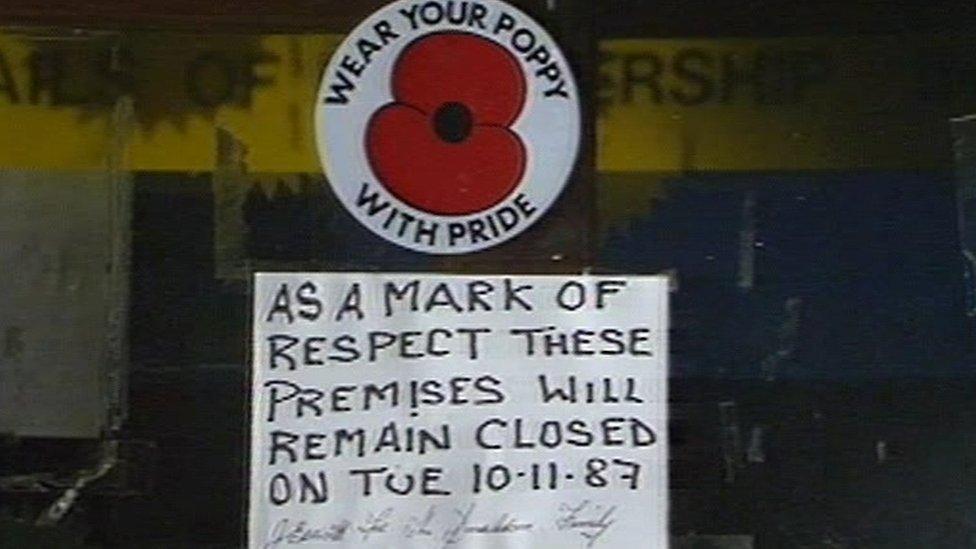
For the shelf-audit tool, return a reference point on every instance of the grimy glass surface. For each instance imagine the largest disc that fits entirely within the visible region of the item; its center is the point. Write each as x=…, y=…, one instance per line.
x=808, y=190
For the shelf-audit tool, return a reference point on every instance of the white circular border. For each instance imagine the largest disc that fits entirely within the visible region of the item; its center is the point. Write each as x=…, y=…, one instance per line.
x=549, y=127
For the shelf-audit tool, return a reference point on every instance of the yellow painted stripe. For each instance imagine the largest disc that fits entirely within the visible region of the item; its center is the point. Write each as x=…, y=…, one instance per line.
x=665, y=105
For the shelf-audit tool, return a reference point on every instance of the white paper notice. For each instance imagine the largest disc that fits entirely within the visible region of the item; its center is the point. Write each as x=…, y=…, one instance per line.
x=397, y=411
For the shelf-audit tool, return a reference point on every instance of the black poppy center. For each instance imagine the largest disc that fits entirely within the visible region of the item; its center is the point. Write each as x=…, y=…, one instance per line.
x=452, y=122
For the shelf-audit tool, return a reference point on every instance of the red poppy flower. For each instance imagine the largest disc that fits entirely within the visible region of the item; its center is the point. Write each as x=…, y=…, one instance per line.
x=445, y=145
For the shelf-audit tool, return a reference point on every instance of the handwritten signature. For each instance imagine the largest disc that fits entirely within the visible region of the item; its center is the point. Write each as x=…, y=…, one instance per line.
x=295, y=532
x=590, y=520
x=417, y=526
x=463, y=526
x=289, y=532
x=375, y=524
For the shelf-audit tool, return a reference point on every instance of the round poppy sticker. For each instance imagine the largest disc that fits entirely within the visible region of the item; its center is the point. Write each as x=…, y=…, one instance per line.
x=448, y=126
